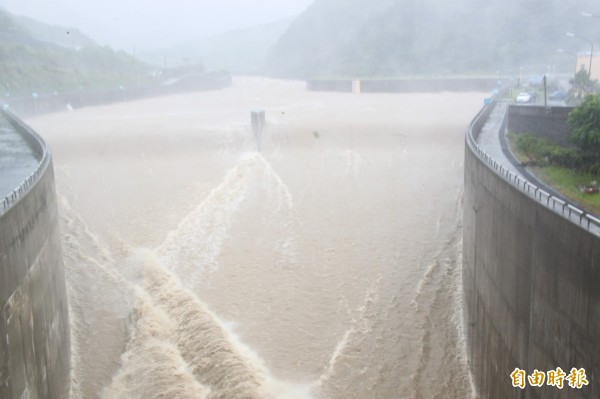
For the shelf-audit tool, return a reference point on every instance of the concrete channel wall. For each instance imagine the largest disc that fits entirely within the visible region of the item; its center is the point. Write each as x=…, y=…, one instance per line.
x=34, y=324
x=531, y=280
x=53, y=102
x=545, y=122
x=404, y=85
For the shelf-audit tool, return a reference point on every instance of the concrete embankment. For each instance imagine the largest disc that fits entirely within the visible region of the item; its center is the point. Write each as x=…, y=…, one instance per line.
x=531, y=278
x=403, y=85
x=545, y=122
x=34, y=324
x=52, y=102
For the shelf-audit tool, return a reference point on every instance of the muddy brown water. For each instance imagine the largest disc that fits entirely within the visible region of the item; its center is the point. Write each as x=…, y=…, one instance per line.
x=326, y=266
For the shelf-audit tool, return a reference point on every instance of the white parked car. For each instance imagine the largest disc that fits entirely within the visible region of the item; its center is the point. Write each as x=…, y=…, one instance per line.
x=524, y=97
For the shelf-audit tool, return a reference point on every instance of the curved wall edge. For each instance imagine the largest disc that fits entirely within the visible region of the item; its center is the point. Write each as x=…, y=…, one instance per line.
x=34, y=324
x=531, y=281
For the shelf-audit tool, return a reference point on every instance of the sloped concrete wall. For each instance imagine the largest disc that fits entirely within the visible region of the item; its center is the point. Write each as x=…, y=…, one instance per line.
x=34, y=324
x=53, y=102
x=547, y=122
x=403, y=85
x=531, y=288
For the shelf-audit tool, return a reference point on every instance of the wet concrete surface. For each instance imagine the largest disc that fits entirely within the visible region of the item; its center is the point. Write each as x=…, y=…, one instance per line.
x=489, y=139
x=17, y=159
x=493, y=141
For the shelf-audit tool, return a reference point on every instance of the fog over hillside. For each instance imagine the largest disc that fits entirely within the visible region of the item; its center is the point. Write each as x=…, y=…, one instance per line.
x=149, y=25
x=337, y=38
x=61, y=35
x=40, y=58
x=390, y=38
x=238, y=51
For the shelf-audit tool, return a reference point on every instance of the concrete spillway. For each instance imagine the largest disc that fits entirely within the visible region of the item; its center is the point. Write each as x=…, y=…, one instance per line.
x=34, y=323
x=326, y=266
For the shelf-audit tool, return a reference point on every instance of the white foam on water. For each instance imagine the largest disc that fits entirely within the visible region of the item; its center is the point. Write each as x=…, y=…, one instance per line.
x=191, y=250
x=339, y=348
x=176, y=347
x=99, y=299
x=442, y=346
x=360, y=326
x=152, y=365
x=354, y=162
x=214, y=355
x=140, y=327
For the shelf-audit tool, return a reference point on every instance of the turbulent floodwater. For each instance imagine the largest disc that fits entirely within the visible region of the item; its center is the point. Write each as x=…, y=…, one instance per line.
x=327, y=266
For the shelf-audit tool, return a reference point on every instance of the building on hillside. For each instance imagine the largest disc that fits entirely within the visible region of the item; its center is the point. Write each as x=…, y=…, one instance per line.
x=583, y=62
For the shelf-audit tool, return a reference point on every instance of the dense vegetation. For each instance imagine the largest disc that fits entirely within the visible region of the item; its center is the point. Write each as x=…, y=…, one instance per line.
x=543, y=152
x=583, y=155
x=574, y=172
x=584, y=120
x=402, y=37
x=30, y=65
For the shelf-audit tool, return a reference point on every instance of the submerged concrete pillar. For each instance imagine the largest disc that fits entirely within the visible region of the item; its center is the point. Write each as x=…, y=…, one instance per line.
x=257, y=118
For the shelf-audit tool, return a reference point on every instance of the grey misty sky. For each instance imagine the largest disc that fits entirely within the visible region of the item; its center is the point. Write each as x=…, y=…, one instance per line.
x=152, y=24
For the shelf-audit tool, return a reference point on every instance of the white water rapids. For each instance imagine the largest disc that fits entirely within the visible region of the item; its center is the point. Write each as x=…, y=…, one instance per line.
x=326, y=266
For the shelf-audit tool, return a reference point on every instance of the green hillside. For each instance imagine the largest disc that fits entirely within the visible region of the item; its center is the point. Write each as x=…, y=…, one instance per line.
x=63, y=36
x=29, y=65
x=386, y=38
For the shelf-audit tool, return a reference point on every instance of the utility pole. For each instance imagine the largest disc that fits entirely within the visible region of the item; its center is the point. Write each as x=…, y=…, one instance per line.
x=545, y=93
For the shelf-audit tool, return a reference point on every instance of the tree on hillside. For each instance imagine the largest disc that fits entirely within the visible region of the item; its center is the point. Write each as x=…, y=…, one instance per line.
x=585, y=123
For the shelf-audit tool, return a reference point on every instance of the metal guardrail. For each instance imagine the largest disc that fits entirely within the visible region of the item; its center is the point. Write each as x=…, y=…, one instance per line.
x=33, y=138
x=567, y=210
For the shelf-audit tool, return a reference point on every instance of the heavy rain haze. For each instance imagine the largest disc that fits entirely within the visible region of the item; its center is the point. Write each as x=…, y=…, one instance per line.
x=149, y=25
x=332, y=38
x=326, y=265
x=400, y=37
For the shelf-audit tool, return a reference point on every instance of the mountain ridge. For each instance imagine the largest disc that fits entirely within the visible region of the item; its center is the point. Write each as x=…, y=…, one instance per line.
x=433, y=37
x=241, y=50
x=34, y=63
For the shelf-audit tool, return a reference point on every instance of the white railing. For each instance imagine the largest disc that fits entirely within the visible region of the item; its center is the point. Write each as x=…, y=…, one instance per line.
x=569, y=211
x=43, y=153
